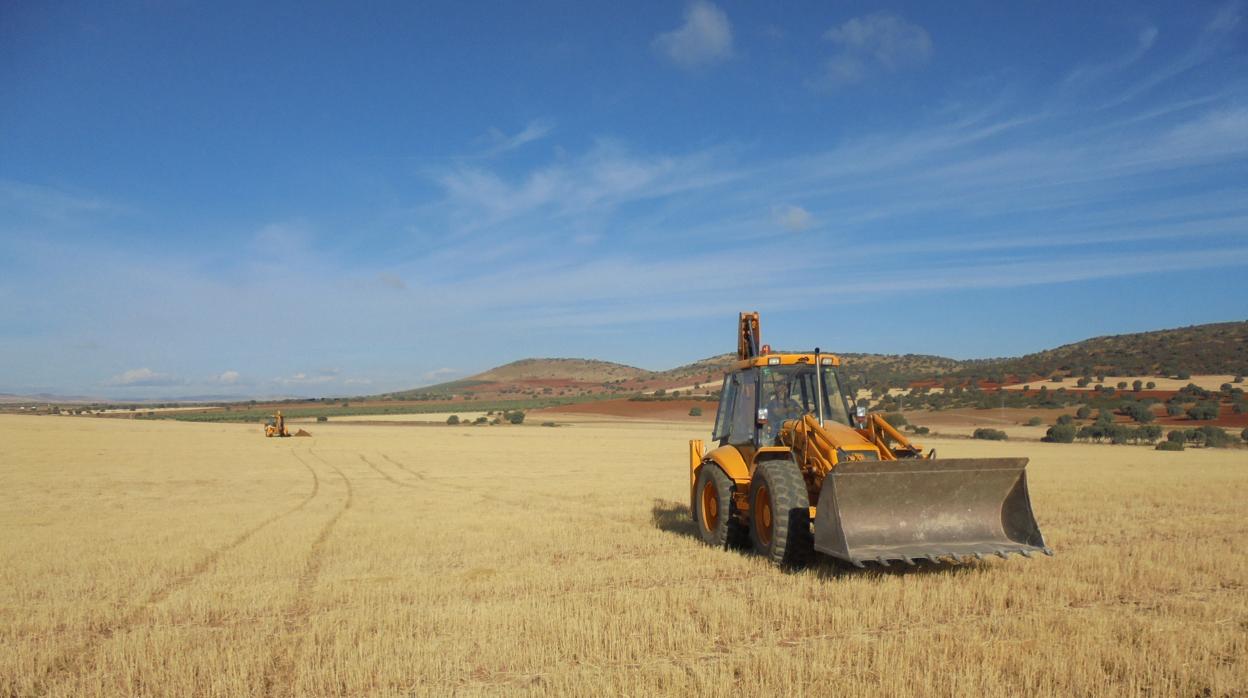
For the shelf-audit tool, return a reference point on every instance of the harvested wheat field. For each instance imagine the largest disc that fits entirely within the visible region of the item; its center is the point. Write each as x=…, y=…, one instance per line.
x=162, y=558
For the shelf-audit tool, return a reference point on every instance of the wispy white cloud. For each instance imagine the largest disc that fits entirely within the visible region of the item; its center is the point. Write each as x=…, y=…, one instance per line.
x=392, y=281
x=439, y=374
x=792, y=218
x=704, y=39
x=143, y=377
x=304, y=379
x=499, y=142
x=1218, y=34
x=1091, y=74
x=874, y=42
x=54, y=204
x=228, y=378
x=606, y=175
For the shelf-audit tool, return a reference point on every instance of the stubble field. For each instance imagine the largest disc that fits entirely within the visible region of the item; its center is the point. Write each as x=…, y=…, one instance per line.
x=164, y=558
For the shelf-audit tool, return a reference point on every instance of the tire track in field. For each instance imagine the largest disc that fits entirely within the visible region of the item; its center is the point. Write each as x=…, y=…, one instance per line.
x=62, y=663
x=280, y=673
x=576, y=507
x=386, y=475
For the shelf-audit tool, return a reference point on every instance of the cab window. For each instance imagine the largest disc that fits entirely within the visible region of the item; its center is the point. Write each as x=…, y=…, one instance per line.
x=723, y=418
x=744, y=408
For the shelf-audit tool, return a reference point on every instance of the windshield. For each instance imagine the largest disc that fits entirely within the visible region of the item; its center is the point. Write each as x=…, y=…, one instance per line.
x=790, y=392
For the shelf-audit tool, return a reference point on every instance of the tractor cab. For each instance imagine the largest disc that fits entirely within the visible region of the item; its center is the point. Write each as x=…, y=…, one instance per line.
x=762, y=395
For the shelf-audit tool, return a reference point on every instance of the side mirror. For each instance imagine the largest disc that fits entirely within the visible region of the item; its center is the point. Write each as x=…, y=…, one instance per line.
x=860, y=412
x=762, y=415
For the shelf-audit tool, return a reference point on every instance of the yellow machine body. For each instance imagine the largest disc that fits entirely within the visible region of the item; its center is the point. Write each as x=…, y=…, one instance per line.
x=808, y=471
x=276, y=426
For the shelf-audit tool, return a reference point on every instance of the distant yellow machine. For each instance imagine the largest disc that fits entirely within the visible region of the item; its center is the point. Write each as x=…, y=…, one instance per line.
x=276, y=426
x=799, y=469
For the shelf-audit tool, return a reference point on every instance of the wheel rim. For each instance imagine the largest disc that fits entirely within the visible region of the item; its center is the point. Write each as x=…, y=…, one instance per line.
x=710, y=506
x=762, y=515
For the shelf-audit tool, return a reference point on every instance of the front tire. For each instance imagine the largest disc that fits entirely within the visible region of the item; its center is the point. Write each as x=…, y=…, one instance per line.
x=780, y=513
x=714, y=511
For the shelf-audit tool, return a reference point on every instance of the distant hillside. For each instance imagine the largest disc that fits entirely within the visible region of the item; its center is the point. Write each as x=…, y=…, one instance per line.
x=582, y=370
x=863, y=370
x=1203, y=349
x=1199, y=349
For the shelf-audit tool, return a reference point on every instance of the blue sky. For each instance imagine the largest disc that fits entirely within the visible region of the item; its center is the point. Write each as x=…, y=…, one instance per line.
x=295, y=199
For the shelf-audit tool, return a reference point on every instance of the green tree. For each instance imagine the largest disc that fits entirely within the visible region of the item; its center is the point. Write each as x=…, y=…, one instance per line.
x=516, y=417
x=695, y=411
x=1083, y=412
x=1244, y=435
x=1170, y=446
x=1150, y=385
x=989, y=434
x=1215, y=437
x=1203, y=410
x=1139, y=412
x=896, y=419
x=1137, y=385
x=1177, y=436
x=1061, y=434
x=453, y=419
x=1065, y=419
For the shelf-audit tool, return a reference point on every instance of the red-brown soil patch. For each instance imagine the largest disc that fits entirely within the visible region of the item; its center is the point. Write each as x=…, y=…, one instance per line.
x=637, y=409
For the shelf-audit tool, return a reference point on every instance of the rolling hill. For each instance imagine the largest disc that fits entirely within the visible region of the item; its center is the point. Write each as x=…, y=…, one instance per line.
x=1199, y=349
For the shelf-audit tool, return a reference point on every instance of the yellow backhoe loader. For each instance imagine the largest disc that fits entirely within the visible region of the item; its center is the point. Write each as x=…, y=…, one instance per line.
x=276, y=426
x=799, y=469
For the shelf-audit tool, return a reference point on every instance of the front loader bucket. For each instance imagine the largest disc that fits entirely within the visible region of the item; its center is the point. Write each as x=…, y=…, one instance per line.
x=909, y=509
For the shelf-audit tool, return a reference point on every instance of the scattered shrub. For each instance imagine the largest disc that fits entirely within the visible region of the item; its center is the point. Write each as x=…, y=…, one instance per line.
x=516, y=417
x=1170, y=446
x=1203, y=410
x=1139, y=412
x=896, y=419
x=1178, y=436
x=1137, y=385
x=1083, y=412
x=695, y=411
x=1150, y=385
x=1215, y=437
x=549, y=424
x=1035, y=422
x=925, y=430
x=1061, y=434
x=453, y=419
x=989, y=434
x=322, y=418
x=1244, y=435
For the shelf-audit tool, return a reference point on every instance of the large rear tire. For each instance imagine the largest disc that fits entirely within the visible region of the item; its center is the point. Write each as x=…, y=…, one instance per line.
x=780, y=513
x=714, y=511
